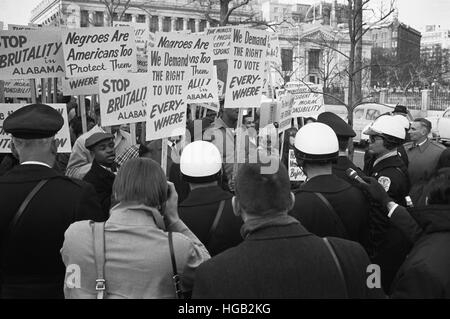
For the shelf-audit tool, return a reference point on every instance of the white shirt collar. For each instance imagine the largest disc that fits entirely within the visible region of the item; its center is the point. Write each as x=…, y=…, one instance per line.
x=35, y=163
x=423, y=142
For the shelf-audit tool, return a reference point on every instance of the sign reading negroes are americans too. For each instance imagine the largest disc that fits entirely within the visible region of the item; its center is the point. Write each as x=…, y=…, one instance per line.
x=26, y=54
x=93, y=51
x=123, y=99
x=62, y=137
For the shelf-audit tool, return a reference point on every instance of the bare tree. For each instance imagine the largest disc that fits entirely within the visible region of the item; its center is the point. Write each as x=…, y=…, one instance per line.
x=114, y=7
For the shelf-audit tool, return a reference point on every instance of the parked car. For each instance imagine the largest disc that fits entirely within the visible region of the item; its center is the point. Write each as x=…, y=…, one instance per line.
x=441, y=126
x=364, y=114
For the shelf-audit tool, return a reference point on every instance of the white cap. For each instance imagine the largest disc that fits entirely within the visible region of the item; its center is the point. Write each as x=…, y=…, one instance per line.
x=387, y=125
x=200, y=162
x=316, y=141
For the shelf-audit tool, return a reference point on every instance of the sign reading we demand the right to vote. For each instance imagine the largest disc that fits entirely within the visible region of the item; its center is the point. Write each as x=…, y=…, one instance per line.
x=168, y=73
x=93, y=51
x=246, y=68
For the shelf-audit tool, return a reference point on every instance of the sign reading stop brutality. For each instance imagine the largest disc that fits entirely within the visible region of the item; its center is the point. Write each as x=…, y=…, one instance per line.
x=92, y=51
x=62, y=137
x=80, y=86
x=31, y=54
x=17, y=89
x=221, y=38
x=306, y=103
x=166, y=112
x=246, y=68
x=123, y=99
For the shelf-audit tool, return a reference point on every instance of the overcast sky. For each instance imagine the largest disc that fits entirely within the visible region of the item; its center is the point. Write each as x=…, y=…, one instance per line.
x=416, y=13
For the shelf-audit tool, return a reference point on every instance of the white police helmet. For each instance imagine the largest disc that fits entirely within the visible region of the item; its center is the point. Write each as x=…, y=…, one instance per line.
x=316, y=142
x=200, y=162
x=403, y=121
x=387, y=126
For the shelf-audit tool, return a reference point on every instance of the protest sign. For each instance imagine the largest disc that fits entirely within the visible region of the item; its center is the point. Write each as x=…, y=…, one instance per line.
x=92, y=51
x=307, y=100
x=284, y=111
x=142, y=63
x=22, y=27
x=246, y=68
x=268, y=111
x=166, y=113
x=62, y=137
x=17, y=89
x=295, y=173
x=80, y=86
x=123, y=99
x=31, y=54
x=273, y=50
x=221, y=39
x=141, y=34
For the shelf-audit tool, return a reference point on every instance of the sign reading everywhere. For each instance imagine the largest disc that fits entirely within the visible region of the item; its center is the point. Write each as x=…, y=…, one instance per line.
x=93, y=51
x=17, y=89
x=166, y=112
x=221, y=38
x=295, y=173
x=307, y=100
x=80, y=86
x=246, y=68
x=62, y=137
x=123, y=99
x=32, y=54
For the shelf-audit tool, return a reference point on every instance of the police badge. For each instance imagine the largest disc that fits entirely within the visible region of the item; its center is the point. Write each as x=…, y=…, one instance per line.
x=385, y=182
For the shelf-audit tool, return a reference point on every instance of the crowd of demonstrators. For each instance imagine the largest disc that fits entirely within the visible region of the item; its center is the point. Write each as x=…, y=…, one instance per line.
x=218, y=220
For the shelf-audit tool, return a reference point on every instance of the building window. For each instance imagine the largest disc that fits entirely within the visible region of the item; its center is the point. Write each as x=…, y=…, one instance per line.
x=84, y=19
x=98, y=19
x=202, y=25
x=140, y=18
x=154, y=24
x=275, y=9
x=166, y=24
x=191, y=25
x=313, y=60
x=127, y=17
x=179, y=24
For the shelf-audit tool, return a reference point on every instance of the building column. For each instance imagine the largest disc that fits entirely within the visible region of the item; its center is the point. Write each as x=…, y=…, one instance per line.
x=197, y=25
x=185, y=23
x=160, y=23
x=105, y=19
x=134, y=18
x=208, y=24
x=148, y=19
x=173, y=24
x=91, y=18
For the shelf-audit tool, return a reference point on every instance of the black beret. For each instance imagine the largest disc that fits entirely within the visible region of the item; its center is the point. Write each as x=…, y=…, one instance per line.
x=400, y=109
x=97, y=138
x=339, y=126
x=34, y=121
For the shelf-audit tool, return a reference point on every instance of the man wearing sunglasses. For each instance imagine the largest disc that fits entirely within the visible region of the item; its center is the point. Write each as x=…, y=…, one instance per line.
x=386, y=134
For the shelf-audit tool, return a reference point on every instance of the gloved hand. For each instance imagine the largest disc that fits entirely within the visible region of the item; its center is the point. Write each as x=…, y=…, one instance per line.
x=375, y=191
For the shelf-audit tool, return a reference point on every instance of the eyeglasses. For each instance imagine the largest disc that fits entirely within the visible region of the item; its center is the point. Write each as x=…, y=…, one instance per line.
x=373, y=138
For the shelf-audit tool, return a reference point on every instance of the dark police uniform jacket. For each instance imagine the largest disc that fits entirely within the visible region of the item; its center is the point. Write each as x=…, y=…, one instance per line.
x=341, y=166
x=31, y=264
x=350, y=206
x=102, y=180
x=285, y=261
x=198, y=211
x=392, y=246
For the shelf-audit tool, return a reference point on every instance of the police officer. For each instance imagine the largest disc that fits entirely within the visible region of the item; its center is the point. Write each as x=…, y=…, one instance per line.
x=343, y=132
x=207, y=210
x=326, y=204
x=386, y=134
x=38, y=205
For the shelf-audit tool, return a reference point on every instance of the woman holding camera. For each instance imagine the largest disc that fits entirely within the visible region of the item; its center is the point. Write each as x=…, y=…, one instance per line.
x=132, y=255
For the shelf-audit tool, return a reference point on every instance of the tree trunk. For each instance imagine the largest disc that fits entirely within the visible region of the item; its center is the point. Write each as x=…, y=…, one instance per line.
x=358, y=52
x=223, y=12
